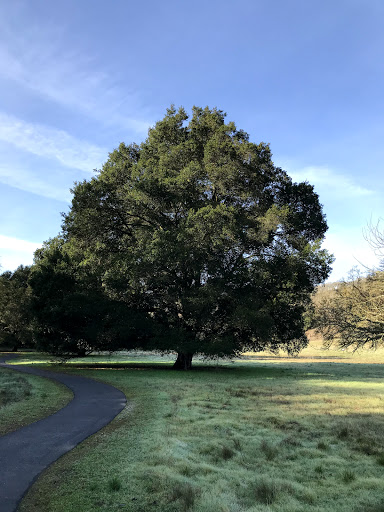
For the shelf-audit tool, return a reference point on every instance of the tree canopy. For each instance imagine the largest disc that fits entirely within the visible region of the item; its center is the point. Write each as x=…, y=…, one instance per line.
x=72, y=314
x=198, y=230
x=15, y=312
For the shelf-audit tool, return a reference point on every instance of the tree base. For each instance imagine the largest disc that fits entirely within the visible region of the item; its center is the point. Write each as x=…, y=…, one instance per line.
x=183, y=361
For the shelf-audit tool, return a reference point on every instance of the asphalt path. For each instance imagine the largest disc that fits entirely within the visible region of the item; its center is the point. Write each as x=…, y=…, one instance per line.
x=25, y=453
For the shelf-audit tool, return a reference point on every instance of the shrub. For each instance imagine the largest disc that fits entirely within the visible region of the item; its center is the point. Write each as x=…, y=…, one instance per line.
x=320, y=471
x=185, y=493
x=265, y=491
x=114, y=484
x=237, y=444
x=322, y=446
x=348, y=476
x=343, y=433
x=270, y=451
x=227, y=452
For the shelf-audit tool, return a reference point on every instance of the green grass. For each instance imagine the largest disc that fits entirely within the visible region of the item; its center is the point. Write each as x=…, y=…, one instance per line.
x=276, y=433
x=26, y=398
x=13, y=387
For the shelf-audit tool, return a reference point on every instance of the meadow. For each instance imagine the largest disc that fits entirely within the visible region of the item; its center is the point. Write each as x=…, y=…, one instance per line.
x=263, y=433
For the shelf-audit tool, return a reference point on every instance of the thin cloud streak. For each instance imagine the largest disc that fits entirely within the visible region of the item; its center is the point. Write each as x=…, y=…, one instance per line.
x=346, y=205
x=24, y=180
x=51, y=143
x=335, y=184
x=67, y=79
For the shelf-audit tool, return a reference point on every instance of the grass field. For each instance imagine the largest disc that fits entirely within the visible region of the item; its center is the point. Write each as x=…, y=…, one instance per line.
x=26, y=398
x=265, y=433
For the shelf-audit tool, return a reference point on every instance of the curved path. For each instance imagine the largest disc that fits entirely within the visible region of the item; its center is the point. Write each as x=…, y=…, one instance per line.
x=25, y=453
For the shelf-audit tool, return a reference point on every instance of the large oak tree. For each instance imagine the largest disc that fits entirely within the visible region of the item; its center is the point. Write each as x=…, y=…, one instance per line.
x=198, y=229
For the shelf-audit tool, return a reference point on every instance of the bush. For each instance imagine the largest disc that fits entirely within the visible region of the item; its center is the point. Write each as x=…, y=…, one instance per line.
x=185, y=493
x=265, y=491
x=348, y=476
x=114, y=484
x=270, y=451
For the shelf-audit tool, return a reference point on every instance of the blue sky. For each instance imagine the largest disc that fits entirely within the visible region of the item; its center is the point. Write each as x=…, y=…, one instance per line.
x=79, y=77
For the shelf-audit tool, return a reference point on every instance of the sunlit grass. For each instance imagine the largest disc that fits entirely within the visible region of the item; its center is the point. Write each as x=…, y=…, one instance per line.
x=273, y=433
x=315, y=352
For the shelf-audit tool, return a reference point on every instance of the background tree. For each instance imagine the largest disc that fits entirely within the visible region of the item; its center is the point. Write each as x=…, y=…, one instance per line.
x=197, y=229
x=72, y=314
x=353, y=315
x=322, y=293
x=15, y=311
x=374, y=234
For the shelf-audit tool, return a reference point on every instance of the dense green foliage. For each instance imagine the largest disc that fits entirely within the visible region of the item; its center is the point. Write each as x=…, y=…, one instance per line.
x=200, y=232
x=72, y=314
x=15, y=313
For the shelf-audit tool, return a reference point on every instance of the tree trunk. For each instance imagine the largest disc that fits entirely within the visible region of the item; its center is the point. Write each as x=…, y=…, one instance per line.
x=183, y=361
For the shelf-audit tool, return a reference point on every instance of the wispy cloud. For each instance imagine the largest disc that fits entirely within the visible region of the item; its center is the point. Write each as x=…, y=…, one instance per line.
x=15, y=252
x=333, y=182
x=25, y=180
x=69, y=78
x=51, y=143
x=348, y=206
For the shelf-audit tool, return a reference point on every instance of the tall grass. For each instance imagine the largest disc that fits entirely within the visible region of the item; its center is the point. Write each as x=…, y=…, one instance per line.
x=13, y=388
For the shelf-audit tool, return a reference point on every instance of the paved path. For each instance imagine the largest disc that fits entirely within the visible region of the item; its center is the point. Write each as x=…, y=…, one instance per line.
x=25, y=453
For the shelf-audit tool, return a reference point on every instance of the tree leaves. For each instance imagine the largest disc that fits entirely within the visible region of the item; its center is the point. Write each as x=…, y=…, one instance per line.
x=199, y=230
